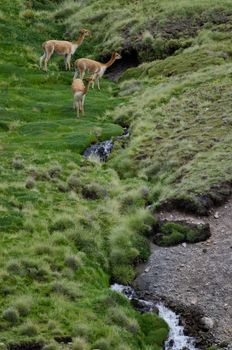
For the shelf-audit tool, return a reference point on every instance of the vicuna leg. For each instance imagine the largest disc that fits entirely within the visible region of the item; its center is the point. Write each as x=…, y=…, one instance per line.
x=82, y=73
x=41, y=60
x=49, y=52
x=68, y=61
x=77, y=108
x=98, y=84
x=82, y=105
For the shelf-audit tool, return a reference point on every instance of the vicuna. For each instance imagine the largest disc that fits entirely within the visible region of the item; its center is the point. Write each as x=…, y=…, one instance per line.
x=79, y=92
x=63, y=48
x=97, y=68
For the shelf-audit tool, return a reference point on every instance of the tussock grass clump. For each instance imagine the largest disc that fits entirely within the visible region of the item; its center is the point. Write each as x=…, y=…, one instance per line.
x=55, y=171
x=23, y=305
x=29, y=329
x=103, y=344
x=43, y=249
x=94, y=191
x=80, y=344
x=81, y=330
x=17, y=164
x=11, y=315
x=51, y=346
x=66, y=288
x=62, y=223
x=74, y=262
x=14, y=267
x=118, y=317
x=30, y=183
x=74, y=183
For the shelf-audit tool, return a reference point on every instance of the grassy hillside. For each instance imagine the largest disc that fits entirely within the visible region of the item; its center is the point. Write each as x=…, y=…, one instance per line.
x=71, y=226
x=61, y=216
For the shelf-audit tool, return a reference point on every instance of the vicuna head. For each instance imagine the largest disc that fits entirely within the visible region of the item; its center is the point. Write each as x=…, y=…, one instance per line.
x=116, y=56
x=85, y=32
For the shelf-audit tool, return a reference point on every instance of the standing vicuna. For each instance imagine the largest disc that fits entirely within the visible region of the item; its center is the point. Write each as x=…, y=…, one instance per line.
x=63, y=48
x=94, y=67
x=79, y=91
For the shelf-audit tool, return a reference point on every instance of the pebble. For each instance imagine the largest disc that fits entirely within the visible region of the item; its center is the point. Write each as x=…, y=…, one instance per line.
x=184, y=245
x=216, y=215
x=147, y=269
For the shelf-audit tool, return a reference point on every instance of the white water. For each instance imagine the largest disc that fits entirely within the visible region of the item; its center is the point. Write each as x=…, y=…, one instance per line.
x=176, y=332
x=177, y=340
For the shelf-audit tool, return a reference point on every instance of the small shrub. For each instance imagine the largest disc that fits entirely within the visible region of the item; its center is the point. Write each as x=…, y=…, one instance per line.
x=29, y=329
x=11, y=315
x=80, y=344
x=17, y=163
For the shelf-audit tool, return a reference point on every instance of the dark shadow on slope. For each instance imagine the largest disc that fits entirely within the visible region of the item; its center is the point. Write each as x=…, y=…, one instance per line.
x=129, y=59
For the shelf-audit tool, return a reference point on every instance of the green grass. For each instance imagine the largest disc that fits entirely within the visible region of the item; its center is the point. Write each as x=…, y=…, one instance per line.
x=59, y=212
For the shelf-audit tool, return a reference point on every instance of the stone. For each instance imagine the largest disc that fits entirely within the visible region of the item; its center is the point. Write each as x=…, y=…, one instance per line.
x=184, y=245
x=207, y=322
x=147, y=269
x=216, y=215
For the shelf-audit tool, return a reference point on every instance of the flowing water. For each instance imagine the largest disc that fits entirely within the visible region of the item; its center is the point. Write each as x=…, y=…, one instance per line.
x=102, y=150
x=177, y=340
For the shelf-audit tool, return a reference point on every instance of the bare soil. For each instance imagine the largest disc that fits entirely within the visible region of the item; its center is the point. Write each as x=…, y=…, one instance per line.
x=197, y=275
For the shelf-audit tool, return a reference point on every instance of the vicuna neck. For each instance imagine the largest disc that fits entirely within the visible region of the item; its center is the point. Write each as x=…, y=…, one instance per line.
x=80, y=39
x=111, y=61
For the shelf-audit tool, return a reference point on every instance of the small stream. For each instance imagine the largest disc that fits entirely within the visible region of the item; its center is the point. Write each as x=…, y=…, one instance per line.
x=177, y=340
x=102, y=150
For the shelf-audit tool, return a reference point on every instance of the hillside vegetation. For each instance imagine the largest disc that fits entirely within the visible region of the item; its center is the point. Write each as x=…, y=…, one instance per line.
x=70, y=226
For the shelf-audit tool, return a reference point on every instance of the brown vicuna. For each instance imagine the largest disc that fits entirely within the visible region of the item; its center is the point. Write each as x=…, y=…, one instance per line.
x=97, y=68
x=79, y=92
x=63, y=48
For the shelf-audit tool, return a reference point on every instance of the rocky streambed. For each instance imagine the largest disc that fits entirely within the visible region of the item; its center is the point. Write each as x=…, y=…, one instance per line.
x=196, y=279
